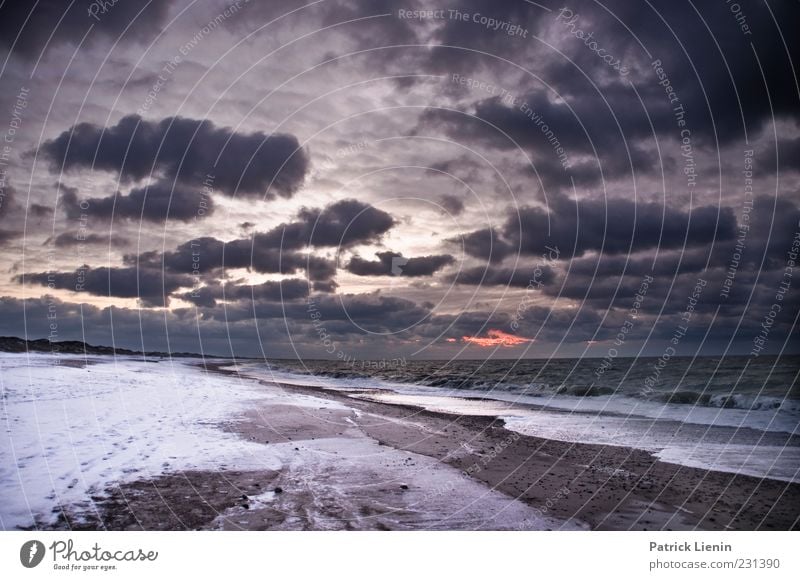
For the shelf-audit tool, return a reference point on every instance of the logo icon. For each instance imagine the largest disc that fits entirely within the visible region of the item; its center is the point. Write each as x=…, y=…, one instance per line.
x=397, y=265
x=31, y=553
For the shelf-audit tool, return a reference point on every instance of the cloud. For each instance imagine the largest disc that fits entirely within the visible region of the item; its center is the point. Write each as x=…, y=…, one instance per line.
x=208, y=255
x=485, y=244
x=523, y=276
x=154, y=203
x=150, y=285
x=612, y=226
x=70, y=239
x=191, y=152
x=341, y=224
x=28, y=28
x=452, y=204
x=495, y=338
x=394, y=264
x=270, y=291
x=7, y=236
x=7, y=197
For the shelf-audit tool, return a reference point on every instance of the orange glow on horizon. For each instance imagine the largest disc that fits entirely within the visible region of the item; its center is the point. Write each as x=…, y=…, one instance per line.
x=496, y=337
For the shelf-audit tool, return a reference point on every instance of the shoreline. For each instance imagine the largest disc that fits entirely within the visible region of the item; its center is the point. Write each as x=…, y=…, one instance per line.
x=561, y=485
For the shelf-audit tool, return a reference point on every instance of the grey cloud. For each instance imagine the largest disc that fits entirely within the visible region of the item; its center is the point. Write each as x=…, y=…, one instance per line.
x=612, y=226
x=192, y=152
x=156, y=203
x=151, y=286
x=270, y=291
x=394, y=264
x=28, y=28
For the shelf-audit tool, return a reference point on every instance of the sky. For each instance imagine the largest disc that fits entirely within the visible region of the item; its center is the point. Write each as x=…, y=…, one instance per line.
x=380, y=179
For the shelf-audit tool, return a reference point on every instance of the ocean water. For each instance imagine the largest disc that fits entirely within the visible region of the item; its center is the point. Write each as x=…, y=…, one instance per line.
x=737, y=414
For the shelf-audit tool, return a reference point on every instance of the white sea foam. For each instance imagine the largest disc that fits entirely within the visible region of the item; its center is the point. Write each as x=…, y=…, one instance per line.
x=725, y=439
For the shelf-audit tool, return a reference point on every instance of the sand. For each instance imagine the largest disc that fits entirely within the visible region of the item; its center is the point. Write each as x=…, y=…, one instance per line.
x=373, y=466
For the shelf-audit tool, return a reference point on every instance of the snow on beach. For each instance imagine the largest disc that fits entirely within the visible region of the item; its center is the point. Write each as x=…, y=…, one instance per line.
x=70, y=431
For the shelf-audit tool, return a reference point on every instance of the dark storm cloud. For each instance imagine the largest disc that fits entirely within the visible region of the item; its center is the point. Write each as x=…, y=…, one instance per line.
x=754, y=261
x=7, y=236
x=452, y=204
x=613, y=226
x=485, y=244
x=325, y=286
x=555, y=131
x=150, y=285
x=714, y=44
x=270, y=291
x=155, y=203
x=459, y=44
x=192, y=152
x=719, y=77
x=597, y=112
x=523, y=276
x=340, y=315
x=394, y=264
x=759, y=245
x=208, y=255
x=7, y=197
x=131, y=328
x=71, y=239
x=783, y=157
x=372, y=312
x=385, y=29
x=31, y=27
x=341, y=224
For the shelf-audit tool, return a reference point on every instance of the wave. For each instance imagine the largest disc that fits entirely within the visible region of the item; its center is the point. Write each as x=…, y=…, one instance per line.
x=493, y=381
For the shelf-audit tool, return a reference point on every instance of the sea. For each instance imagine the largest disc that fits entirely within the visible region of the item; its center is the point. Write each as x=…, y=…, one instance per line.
x=733, y=414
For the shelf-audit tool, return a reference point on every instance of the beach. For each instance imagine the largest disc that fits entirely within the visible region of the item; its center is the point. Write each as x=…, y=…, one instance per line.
x=232, y=451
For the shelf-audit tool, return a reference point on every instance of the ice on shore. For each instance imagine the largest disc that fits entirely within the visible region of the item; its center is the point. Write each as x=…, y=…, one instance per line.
x=71, y=431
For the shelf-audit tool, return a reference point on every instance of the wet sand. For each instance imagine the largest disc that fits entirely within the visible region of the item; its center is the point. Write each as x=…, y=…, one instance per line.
x=367, y=465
